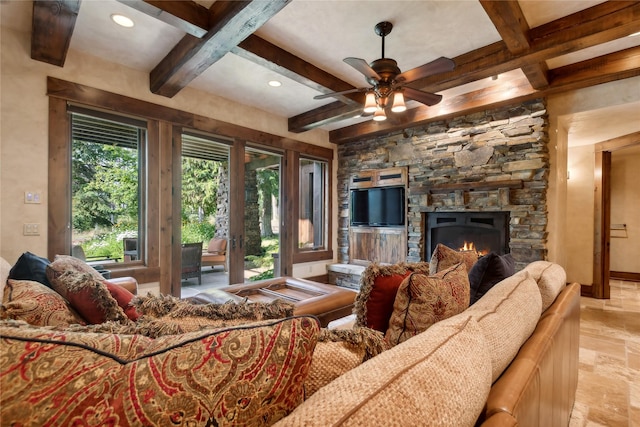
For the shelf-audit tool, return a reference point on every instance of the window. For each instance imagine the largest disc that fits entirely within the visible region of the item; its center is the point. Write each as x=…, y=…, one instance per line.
x=313, y=205
x=106, y=189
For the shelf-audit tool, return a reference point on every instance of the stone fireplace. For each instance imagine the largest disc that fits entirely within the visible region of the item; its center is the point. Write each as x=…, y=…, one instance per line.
x=482, y=232
x=486, y=162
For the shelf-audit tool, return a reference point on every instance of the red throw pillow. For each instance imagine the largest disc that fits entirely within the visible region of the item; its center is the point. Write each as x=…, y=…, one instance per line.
x=381, y=298
x=123, y=297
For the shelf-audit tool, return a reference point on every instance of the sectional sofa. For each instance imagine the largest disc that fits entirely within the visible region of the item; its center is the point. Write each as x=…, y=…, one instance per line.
x=509, y=359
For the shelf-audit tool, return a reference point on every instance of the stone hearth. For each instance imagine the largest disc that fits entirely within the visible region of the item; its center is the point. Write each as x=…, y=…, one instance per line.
x=494, y=160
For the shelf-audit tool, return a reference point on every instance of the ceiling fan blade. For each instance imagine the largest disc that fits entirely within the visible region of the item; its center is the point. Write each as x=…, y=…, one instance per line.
x=362, y=66
x=344, y=92
x=426, y=98
x=437, y=66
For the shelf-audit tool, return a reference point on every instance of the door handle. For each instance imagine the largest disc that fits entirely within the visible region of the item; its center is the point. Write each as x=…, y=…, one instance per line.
x=233, y=242
x=240, y=241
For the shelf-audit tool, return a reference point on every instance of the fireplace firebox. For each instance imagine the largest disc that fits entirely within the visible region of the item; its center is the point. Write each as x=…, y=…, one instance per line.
x=483, y=232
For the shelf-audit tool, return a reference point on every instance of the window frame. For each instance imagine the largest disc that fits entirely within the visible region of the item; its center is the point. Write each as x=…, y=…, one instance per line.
x=301, y=255
x=141, y=124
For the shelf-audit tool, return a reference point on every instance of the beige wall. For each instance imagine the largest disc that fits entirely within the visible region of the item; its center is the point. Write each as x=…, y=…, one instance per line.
x=625, y=209
x=572, y=232
x=580, y=215
x=24, y=131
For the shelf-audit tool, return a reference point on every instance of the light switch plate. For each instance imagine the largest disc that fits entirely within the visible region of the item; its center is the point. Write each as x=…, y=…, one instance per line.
x=31, y=229
x=32, y=197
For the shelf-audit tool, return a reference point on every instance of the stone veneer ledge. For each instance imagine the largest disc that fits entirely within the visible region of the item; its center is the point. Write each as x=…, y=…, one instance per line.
x=502, y=145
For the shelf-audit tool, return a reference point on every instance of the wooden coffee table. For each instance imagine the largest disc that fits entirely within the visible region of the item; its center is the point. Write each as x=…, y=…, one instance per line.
x=326, y=302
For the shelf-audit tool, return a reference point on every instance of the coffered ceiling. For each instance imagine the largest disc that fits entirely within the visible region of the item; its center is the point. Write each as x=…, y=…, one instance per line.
x=234, y=48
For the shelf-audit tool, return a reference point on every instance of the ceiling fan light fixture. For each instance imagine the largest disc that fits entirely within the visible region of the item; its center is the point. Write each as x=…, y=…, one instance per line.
x=379, y=115
x=398, y=102
x=370, y=105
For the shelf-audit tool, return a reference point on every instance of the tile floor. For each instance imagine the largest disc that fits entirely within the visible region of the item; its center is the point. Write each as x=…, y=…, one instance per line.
x=609, y=378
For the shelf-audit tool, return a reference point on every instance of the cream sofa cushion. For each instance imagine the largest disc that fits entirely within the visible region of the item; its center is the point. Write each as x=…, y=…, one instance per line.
x=551, y=278
x=5, y=267
x=441, y=377
x=507, y=314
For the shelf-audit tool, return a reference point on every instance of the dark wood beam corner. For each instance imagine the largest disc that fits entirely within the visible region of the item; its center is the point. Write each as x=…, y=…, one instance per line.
x=232, y=22
x=52, y=28
x=537, y=74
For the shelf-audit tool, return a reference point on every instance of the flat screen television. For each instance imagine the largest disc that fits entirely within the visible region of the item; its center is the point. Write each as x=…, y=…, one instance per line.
x=378, y=206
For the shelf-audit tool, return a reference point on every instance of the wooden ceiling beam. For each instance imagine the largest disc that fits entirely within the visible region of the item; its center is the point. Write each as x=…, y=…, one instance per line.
x=615, y=66
x=188, y=16
x=603, y=69
x=512, y=26
x=233, y=21
x=52, y=28
x=278, y=60
x=599, y=24
x=194, y=19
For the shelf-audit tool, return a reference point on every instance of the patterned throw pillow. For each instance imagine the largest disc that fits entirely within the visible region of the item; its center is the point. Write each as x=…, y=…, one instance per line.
x=64, y=263
x=250, y=375
x=339, y=351
x=37, y=304
x=444, y=257
x=378, y=287
x=424, y=300
x=88, y=295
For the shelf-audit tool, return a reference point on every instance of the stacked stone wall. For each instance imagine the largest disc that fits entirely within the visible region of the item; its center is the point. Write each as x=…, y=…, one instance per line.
x=495, y=160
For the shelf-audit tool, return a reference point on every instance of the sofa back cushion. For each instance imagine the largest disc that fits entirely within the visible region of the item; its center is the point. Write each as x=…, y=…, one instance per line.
x=424, y=300
x=5, y=267
x=507, y=314
x=251, y=375
x=441, y=377
x=551, y=278
x=378, y=287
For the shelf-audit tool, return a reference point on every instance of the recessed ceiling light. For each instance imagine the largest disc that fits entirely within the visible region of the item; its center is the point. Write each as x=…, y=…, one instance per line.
x=122, y=20
x=275, y=83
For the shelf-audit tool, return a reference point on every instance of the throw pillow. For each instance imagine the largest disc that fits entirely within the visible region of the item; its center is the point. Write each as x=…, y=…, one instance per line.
x=251, y=375
x=88, y=295
x=30, y=267
x=489, y=270
x=64, y=263
x=123, y=297
x=444, y=257
x=378, y=287
x=339, y=351
x=37, y=304
x=165, y=314
x=424, y=300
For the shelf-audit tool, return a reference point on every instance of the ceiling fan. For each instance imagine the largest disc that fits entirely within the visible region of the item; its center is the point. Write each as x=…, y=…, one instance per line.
x=388, y=81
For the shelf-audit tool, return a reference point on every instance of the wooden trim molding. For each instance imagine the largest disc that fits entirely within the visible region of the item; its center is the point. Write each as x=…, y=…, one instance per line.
x=626, y=276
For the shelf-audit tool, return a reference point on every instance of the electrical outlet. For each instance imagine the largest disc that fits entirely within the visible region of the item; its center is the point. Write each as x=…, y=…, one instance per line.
x=31, y=229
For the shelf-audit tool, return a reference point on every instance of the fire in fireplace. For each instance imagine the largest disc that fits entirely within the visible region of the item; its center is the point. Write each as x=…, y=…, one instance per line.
x=482, y=232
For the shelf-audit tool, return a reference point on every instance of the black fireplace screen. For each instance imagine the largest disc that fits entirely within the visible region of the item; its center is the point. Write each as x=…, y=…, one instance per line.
x=483, y=232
